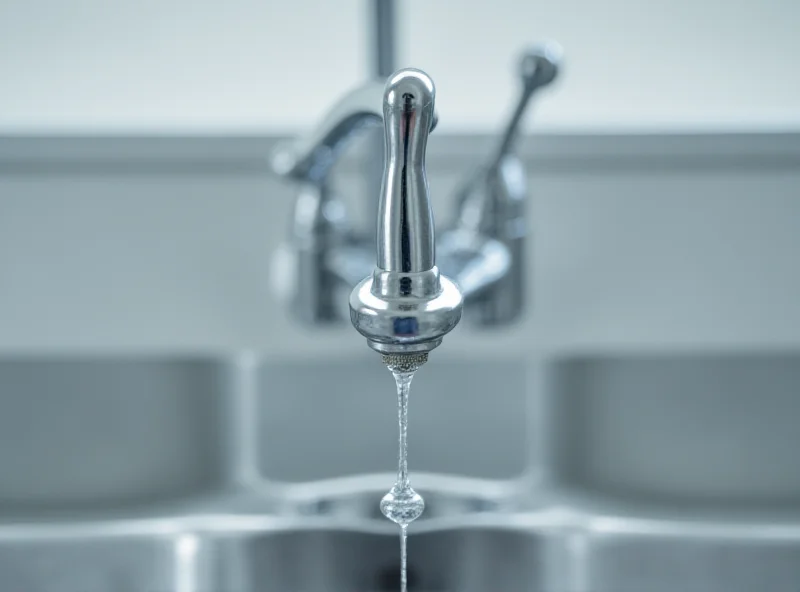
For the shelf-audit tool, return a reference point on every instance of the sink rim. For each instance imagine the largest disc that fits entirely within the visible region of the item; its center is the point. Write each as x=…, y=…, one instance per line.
x=541, y=511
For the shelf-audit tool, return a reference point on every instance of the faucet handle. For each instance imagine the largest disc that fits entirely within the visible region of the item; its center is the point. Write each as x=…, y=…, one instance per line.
x=494, y=194
x=538, y=67
x=309, y=158
x=491, y=208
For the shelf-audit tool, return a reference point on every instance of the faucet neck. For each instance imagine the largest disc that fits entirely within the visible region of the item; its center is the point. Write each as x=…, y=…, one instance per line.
x=405, y=219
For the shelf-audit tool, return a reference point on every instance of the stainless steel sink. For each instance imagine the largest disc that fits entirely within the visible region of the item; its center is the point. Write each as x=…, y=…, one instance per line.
x=694, y=431
x=340, y=418
x=98, y=433
x=85, y=562
x=504, y=559
x=309, y=556
x=204, y=474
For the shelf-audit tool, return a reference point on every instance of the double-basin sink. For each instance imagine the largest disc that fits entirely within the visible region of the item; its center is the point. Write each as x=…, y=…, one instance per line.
x=640, y=473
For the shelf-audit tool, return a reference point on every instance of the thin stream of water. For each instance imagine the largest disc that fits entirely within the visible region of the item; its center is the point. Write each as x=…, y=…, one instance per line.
x=402, y=504
x=403, y=558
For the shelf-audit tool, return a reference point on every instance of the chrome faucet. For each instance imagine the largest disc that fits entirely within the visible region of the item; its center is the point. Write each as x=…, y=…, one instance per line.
x=406, y=304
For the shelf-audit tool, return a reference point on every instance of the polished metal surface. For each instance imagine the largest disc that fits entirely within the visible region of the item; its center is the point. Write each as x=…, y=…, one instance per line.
x=406, y=305
x=320, y=235
x=599, y=473
x=706, y=431
x=310, y=158
x=383, y=58
x=88, y=434
x=126, y=432
x=382, y=63
x=542, y=550
x=82, y=434
x=482, y=250
x=405, y=320
x=405, y=220
x=538, y=68
x=492, y=202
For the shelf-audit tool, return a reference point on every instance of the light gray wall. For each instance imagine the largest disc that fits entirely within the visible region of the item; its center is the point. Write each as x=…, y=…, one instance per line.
x=674, y=243
x=207, y=66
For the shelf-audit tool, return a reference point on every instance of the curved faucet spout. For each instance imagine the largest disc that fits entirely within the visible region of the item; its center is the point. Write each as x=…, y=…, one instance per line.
x=310, y=157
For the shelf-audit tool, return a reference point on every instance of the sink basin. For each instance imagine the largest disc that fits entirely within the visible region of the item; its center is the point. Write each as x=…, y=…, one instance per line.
x=87, y=434
x=308, y=556
x=501, y=559
x=104, y=432
x=335, y=560
x=210, y=474
x=341, y=419
x=85, y=562
x=702, y=431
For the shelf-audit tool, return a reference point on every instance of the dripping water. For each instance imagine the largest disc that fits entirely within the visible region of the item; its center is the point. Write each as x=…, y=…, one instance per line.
x=402, y=505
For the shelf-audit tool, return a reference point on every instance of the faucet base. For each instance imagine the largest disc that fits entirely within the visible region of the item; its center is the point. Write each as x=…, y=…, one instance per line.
x=394, y=349
x=403, y=313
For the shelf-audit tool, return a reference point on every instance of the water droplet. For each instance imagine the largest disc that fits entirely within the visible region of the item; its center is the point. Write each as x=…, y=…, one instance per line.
x=402, y=505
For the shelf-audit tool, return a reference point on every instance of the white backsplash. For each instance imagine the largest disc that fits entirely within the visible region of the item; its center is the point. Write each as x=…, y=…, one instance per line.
x=693, y=254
